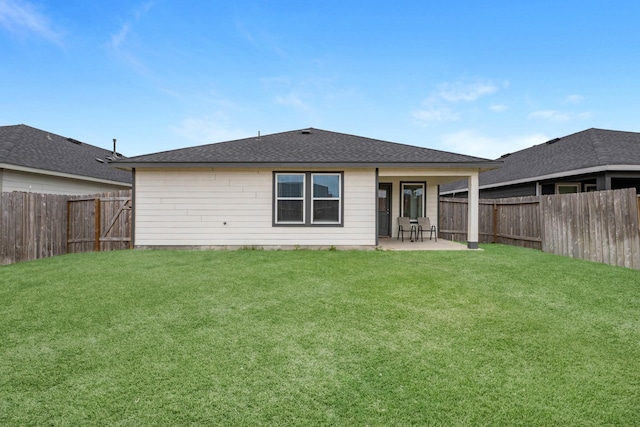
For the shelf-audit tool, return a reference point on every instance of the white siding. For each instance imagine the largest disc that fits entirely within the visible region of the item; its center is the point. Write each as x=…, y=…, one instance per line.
x=35, y=183
x=235, y=208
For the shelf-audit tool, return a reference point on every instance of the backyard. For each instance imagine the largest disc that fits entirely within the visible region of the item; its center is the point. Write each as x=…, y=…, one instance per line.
x=503, y=336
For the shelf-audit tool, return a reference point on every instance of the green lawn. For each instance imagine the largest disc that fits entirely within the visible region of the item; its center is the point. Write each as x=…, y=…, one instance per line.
x=504, y=336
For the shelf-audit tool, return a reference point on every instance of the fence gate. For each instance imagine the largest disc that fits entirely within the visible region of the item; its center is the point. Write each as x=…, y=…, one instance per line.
x=98, y=224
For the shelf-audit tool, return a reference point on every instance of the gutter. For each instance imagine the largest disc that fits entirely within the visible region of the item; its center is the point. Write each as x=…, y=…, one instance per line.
x=484, y=166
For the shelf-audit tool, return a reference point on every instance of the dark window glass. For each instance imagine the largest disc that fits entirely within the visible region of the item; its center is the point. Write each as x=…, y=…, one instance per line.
x=326, y=210
x=290, y=210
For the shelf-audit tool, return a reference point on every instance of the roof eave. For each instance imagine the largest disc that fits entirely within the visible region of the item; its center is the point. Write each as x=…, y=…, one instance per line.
x=63, y=175
x=483, y=165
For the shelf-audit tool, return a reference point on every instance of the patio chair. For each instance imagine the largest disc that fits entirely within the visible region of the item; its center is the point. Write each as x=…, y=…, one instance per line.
x=425, y=224
x=405, y=226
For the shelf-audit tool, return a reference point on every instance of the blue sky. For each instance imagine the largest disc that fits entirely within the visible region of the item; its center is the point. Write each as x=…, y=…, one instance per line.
x=475, y=77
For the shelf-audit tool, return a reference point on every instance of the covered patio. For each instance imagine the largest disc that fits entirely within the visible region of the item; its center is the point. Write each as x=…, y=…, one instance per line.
x=414, y=192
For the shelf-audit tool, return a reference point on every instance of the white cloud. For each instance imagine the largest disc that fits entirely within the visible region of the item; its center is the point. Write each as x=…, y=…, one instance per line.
x=207, y=130
x=119, y=41
x=584, y=115
x=471, y=143
x=499, y=108
x=120, y=37
x=550, y=115
x=438, y=107
x=293, y=100
x=435, y=115
x=465, y=91
x=260, y=39
x=574, y=99
x=21, y=17
x=559, y=116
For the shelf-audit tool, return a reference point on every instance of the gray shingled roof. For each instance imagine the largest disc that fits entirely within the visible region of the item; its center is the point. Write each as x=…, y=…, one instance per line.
x=310, y=146
x=591, y=148
x=25, y=146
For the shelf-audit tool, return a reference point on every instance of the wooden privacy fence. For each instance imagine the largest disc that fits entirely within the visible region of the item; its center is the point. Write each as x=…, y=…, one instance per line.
x=34, y=226
x=601, y=226
x=99, y=223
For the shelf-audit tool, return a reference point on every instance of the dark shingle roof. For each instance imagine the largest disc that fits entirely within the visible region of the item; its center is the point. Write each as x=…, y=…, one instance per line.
x=591, y=148
x=311, y=146
x=22, y=145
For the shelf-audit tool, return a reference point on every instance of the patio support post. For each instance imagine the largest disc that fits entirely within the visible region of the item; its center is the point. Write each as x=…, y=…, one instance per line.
x=473, y=211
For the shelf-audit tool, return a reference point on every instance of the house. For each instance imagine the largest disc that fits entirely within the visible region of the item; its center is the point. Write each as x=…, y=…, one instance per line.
x=33, y=160
x=303, y=188
x=594, y=159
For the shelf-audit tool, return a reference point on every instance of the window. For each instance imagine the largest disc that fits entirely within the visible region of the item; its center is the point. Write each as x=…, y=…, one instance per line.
x=290, y=198
x=567, y=188
x=413, y=198
x=308, y=198
x=326, y=198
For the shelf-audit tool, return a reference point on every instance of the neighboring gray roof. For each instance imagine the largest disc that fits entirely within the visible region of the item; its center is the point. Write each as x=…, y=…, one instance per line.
x=306, y=146
x=581, y=152
x=22, y=145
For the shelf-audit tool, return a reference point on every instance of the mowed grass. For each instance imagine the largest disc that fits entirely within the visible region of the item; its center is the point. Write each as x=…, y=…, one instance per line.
x=504, y=336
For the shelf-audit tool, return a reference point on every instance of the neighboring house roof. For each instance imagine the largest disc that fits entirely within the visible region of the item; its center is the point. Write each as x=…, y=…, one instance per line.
x=589, y=151
x=29, y=149
x=306, y=147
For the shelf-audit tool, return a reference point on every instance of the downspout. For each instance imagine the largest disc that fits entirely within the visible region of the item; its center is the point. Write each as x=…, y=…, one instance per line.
x=375, y=207
x=438, y=211
x=133, y=209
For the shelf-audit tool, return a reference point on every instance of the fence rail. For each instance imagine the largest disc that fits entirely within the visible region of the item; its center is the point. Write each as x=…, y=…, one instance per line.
x=34, y=225
x=601, y=226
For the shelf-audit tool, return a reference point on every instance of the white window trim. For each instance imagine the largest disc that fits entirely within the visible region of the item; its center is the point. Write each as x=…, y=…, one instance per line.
x=303, y=198
x=339, y=199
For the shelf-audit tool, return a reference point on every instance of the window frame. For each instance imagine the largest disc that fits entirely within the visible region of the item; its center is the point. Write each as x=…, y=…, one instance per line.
x=278, y=198
x=314, y=198
x=424, y=197
x=308, y=200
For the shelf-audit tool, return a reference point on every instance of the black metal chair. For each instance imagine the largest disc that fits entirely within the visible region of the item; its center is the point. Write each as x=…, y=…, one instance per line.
x=405, y=226
x=425, y=224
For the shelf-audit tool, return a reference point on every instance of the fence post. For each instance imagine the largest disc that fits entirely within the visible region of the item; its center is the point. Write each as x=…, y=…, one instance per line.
x=68, y=225
x=495, y=223
x=96, y=243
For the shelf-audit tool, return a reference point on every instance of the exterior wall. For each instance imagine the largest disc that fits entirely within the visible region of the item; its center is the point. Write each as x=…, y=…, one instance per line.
x=35, y=183
x=520, y=190
x=234, y=208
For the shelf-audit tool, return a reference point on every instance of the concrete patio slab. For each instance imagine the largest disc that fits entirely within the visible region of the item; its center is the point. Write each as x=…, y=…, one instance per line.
x=392, y=244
